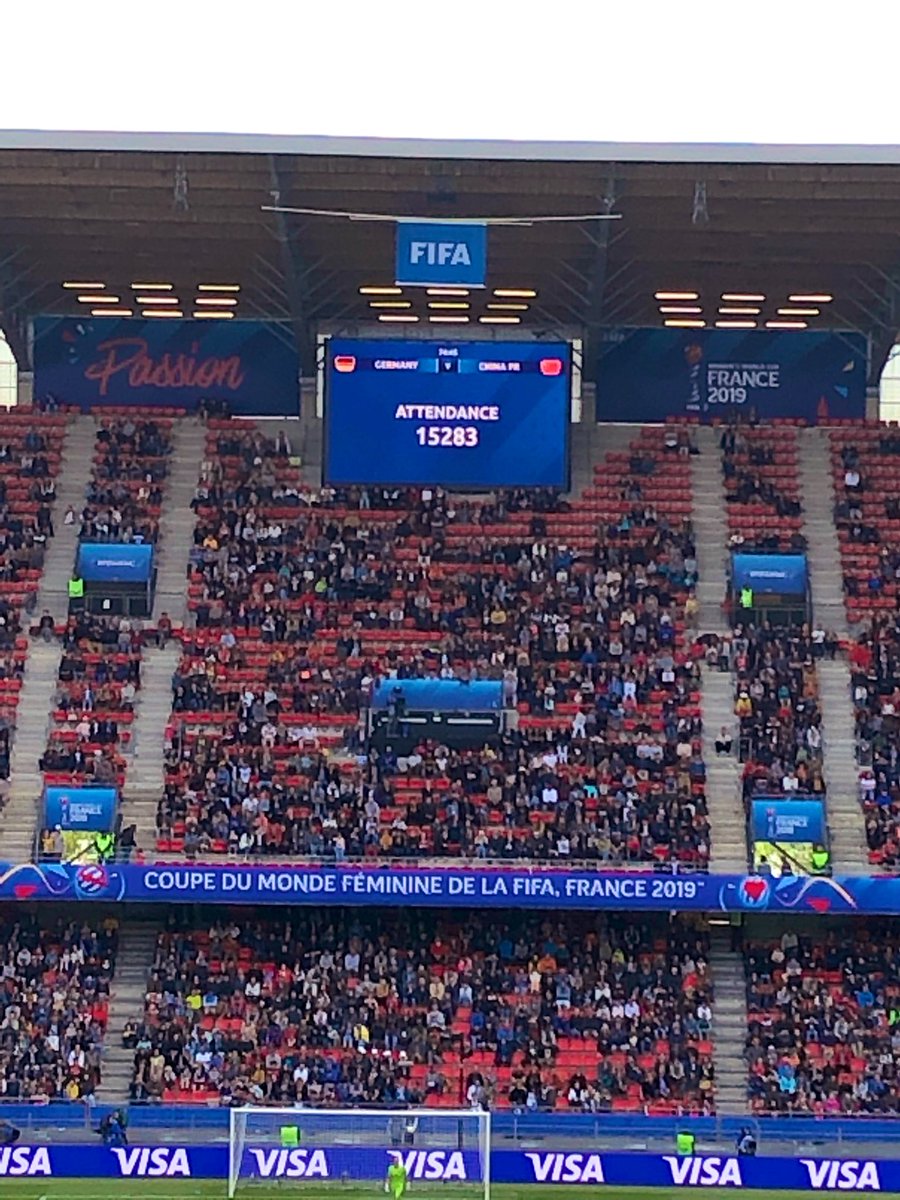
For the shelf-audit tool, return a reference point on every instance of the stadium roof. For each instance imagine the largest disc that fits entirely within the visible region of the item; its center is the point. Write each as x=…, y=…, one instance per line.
x=185, y=209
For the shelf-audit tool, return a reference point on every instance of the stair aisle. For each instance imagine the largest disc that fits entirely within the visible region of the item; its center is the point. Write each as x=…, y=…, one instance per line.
x=849, y=855
x=177, y=518
x=845, y=817
x=71, y=491
x=728, y=829
x=19, y=824
x=822, y=546
x=145, y=770
x=710, y=530
x=137, y=945
x=729, y=1029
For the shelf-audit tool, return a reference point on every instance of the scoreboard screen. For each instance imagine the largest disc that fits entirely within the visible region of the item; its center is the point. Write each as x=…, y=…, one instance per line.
x=457, y=414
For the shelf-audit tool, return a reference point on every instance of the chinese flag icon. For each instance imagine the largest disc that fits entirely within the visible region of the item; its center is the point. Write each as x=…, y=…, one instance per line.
x=551, y=366
x=345, y=363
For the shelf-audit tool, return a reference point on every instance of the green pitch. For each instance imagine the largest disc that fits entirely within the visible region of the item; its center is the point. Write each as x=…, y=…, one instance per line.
x=167, y=1189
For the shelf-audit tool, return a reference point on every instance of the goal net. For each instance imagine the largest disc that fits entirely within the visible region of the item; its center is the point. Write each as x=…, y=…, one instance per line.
x=351, y=1150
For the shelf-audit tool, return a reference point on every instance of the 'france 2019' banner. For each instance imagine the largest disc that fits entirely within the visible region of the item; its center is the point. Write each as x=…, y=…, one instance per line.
x=463, y=886
x=80, y=808
x=770, y=574
x=571, y=1167
x=775, y=820
x=176, y=364
x=432, y=253
x=652, y=374
x=115, y=562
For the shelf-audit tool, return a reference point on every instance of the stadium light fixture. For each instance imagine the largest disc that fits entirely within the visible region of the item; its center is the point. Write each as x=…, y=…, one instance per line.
x=745, y=297
x=82, y=287
x=810, y=298
x=93, y=299
x=684, y=323
x=684, y=309
x=446, y=319
x=390, y=304
x=213, y=315
x=161, y=312
x=156, y=299
x=372, y=290
x=217, y=301
x=798, y=312
x=446, y=291
x=515, y=293
x=677, y=295
x=735, y=324
x=408, y=317
x=110, y=312
x=739, y=310
x=457, y=304
x=218, y=287
x=500, y=320
x=787, y=324
x=152, y=287
x=504, y=307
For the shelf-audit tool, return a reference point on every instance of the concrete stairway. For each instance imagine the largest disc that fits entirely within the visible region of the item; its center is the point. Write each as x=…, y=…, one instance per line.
x=728, y=833
x=729, y=1030
x=137, y=944
x=845, y=817
x=710, y=530
x=26, y=782
x=145, y=772
x=71, y=490
x=177, y=520
x=823, y=551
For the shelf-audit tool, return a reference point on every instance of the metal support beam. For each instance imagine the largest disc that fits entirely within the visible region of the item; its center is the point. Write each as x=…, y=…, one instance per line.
x=13, y=311
x=294, y=271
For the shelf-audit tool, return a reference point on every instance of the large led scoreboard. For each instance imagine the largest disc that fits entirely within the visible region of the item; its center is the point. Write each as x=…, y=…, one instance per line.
x=458, y=414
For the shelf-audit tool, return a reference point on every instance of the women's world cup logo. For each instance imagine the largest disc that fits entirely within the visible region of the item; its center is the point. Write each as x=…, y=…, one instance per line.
x=693, y=357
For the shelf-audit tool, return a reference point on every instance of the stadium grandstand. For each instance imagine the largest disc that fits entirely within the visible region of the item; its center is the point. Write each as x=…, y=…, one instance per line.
x=449, y=662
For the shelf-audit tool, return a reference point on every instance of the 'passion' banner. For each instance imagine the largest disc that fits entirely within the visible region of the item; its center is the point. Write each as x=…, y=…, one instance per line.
x=175, y=363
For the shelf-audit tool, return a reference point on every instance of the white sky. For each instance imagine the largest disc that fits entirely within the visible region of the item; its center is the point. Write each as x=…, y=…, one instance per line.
x=791, y=71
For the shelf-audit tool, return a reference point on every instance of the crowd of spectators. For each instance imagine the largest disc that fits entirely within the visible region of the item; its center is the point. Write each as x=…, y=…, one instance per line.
x=762, y=494
x=124, y=495
x=343, y=1007
x=54, y=1004
x=776, y=703
x=304, y=599
x=824, y=1023
x=874, y=659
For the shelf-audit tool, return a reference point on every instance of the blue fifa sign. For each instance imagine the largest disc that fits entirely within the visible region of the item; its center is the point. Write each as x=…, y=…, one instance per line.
x=430, y=254
x=115, y=562
x=776, y=820
x=80, y=808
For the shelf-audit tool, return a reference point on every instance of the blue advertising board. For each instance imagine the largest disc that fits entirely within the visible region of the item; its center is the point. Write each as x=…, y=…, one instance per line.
x=105, y=361
x=115, y=562
x=315, y=1164
x=441, y=695
x=651, y=374
x=774, y=819
x=80, y=808
x=462, y=414
x=434, y=253
x=464, y=886
x=770, y=574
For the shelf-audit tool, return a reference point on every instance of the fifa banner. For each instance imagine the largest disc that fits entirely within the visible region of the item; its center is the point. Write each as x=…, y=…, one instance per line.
x=439, y=695
x=115, y=562
x=435, y=253
x=651, y=374
x=770, y=574
x=91, y=363
x=451, y=887
x=369, y=1163
x=785, y=832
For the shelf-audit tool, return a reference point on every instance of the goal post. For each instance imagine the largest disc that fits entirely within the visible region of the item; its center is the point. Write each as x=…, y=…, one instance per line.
x=350, y=1149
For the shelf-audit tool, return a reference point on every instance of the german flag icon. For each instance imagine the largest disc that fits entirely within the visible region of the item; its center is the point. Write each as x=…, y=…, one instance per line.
x=345, y=363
